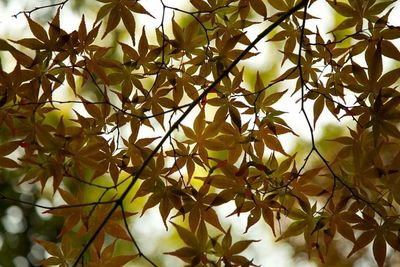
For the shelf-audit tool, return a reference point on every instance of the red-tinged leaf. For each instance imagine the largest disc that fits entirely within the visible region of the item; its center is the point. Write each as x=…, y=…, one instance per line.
x=116, y=230
x=188, y=237
x=194, y=219
x=345, y=230
x=71, y=221
x=54, y=29
x=379, y=249
x=108, y=251
x=8, y=163
x=211, y=217
x=114, y=172
x=273, y=143
x=92, y=34
x=103, y=11
x=130, y=24
x=50, y=247
x=37, y=30
x=269, y=218
x=320, y=255
x=364, y=239
x=9, y=147
x=243, y=170
x=138, y=8
x=22, y=59
x=203, y=101
x=202, y=234
x=31, y=43
x=113, y=20
x=143, y=44
x=119, y=261
x=393, y=240
x=82, y=32
x=253, y=218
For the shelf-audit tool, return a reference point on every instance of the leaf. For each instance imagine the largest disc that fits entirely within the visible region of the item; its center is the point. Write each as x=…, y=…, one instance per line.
x=342, y=8
x=188, y=237
x=294, y=229
x=130, y=24
x=318, y=108
x=37, y=30
x=273, y=143
x=364, y=239
x=143, y=45
x=389, y=78
x=199, y=122
x=119, y=261
x=8, y=163
x=4, y=46
x=9, y=147
x=50, y=247
x=200, y=5
x=235, y=117
x=211, y=217
x=116, y=230
x=239, y=246
x=113, y=20
x=231, y=43
x=390, y=50
x=379, y=249
x=259, y=7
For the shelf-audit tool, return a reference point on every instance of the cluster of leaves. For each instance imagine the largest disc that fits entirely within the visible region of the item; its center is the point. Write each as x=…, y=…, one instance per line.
x=105, y=146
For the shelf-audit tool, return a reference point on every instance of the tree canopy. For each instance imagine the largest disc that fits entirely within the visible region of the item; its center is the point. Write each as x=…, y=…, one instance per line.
x=113, y=119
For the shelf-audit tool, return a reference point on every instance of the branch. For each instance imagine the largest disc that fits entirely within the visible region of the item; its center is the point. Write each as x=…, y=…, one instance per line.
x=182, y=117
x=29, y=12
x=314, y=147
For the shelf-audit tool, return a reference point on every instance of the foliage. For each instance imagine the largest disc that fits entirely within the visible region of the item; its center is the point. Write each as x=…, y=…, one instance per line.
x=171, y=123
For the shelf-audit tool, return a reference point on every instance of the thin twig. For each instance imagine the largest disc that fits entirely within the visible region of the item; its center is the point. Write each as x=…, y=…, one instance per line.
x=182, y=117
